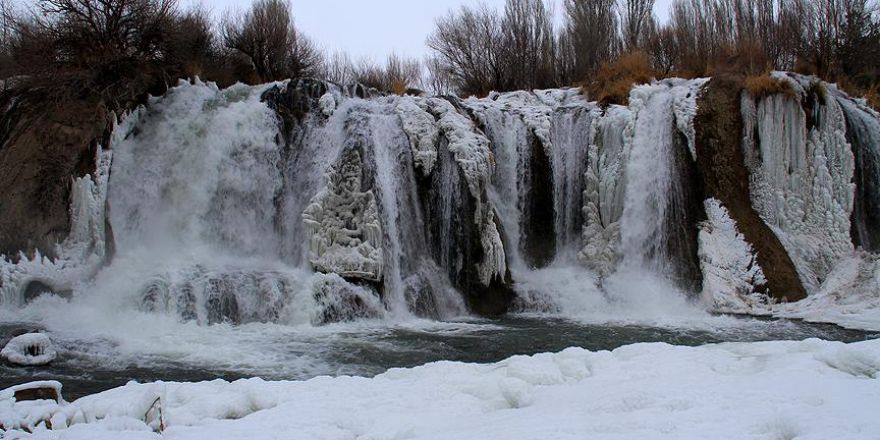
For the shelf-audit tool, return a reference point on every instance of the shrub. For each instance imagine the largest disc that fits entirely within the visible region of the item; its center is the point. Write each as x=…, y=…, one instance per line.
x=615, y=80
x=761, y=86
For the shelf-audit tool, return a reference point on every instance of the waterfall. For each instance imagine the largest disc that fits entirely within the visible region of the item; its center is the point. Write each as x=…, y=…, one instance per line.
x=571, y=131
x=863, y=133
x=662, y=202
x=305, y=202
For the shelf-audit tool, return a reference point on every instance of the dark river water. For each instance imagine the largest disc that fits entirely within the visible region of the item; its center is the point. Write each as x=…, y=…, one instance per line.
x=275, y=352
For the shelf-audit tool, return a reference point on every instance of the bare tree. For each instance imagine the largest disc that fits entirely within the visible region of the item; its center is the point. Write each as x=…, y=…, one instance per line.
x=339, y=68
x=267, y=35
x=468, y=43
x=527, y=55
x=438, y=78
x=591, y=32
x=635, y=19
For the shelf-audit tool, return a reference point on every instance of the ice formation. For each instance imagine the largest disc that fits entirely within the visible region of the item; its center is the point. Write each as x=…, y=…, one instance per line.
x=29, y=349
x=801, y=170
x=850, y=296
x=422, y=130
x=732, y=277
x=604, y=190
x=344, y=223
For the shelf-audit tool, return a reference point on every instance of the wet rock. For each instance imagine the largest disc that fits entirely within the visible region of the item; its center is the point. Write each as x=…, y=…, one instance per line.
x=539, y=222
x=341, y=300
x=684, y=215
x=455, y=239
x=36, y=288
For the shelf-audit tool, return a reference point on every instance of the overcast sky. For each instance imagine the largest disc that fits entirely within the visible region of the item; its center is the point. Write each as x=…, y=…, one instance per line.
x=374, y=28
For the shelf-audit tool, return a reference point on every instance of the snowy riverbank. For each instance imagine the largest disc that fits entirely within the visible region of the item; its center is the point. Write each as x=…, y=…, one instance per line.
x=767, y=390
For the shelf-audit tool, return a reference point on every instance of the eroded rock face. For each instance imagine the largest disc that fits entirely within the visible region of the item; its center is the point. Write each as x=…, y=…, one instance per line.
x=719, y=132
x=346, y=234
x=42, y=147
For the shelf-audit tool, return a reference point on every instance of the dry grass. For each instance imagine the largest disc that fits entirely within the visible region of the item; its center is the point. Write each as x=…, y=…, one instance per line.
x=762, y=86
x=615, y=80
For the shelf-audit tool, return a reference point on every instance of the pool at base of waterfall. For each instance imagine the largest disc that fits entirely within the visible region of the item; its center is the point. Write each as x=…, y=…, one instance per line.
x=90, y=362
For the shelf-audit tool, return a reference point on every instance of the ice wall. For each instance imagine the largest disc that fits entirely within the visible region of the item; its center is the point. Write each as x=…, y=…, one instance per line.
x=801, y=173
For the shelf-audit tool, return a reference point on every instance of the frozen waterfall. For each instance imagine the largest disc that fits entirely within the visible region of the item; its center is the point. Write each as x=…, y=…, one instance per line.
x=304, y=202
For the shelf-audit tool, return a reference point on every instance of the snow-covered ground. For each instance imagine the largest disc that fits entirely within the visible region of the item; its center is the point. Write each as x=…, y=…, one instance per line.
x=769, y=390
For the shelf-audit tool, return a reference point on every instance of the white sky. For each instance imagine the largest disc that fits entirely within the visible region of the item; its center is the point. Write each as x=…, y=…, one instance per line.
x=375, y=28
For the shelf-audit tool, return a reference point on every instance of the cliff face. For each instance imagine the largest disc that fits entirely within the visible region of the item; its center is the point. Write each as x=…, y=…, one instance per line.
x=44, y=147
x=306, y=201
x=724, y=176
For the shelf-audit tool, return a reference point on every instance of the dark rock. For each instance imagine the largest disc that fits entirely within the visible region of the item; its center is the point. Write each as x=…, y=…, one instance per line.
x=37, y=393
x=44, y=145
x=454, y=236
x=719, y=128
x=683, y=216
x=222, y=303
x=538, y=219
x=36, y=288
x=865, y=220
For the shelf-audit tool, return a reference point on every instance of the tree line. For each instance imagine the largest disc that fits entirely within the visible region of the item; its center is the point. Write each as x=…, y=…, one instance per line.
x=119, y=50
x=602, y=43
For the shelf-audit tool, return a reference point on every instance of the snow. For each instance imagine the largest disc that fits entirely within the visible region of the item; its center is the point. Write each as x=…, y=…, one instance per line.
x=850, y=297
x=29, y=349
x=731, y=274
x=27, y=414
x=810, y=389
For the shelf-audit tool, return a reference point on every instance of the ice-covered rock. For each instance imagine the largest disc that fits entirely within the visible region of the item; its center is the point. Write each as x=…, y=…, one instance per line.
x=850, y=296
x=343, y=220
x=604, y=191
x=421, y=128
x=327, y=104
x=29, y=349
x=801, y=174
x=685, y=108
x=732, y=278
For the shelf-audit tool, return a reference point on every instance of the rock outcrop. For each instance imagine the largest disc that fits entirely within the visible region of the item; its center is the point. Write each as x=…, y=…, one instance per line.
x=719, y=134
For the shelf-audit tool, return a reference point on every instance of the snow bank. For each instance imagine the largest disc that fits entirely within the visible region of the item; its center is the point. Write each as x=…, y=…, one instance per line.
x=809, y=389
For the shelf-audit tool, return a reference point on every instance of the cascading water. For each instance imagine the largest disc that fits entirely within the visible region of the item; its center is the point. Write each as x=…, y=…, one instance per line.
x=863, y=133
x=571, y=131
x=299, y=203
